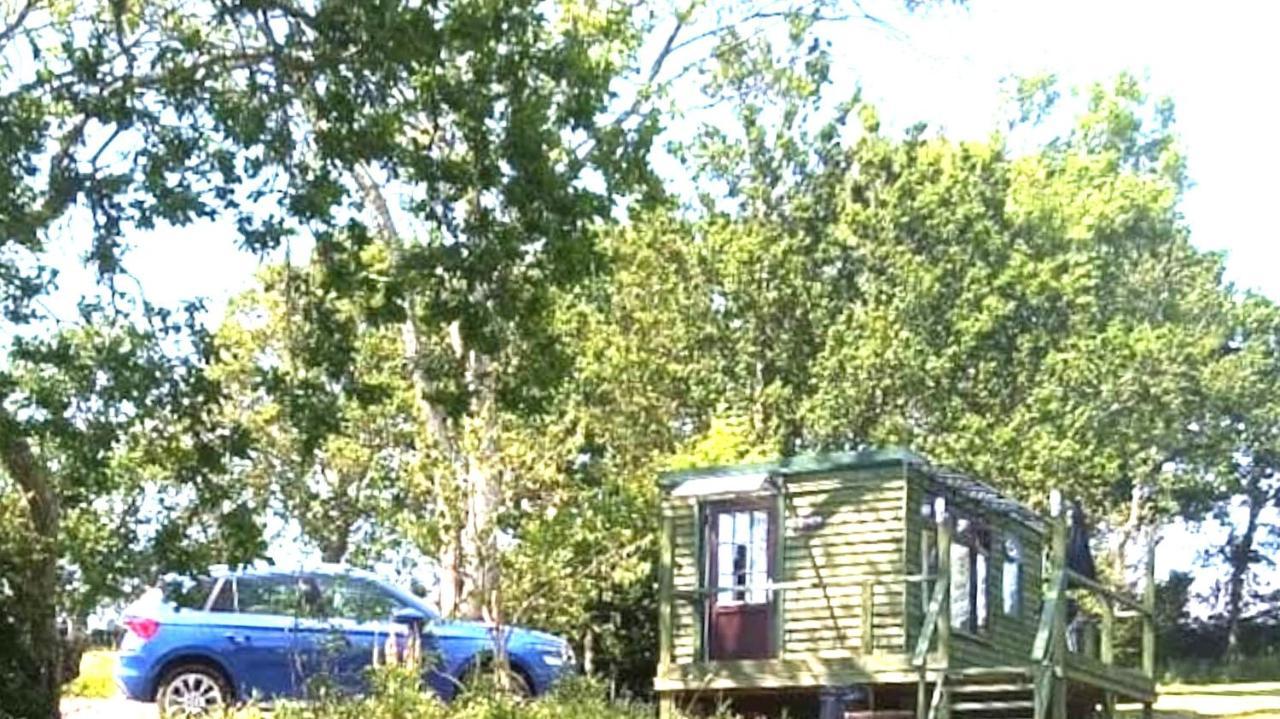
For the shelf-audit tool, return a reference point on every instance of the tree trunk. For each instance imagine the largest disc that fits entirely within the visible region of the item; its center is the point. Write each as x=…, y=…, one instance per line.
x=468, y=561
x=334, y=550
x=1240, y=556
x=483, y=492
x=33, y=479
x=1124, y=538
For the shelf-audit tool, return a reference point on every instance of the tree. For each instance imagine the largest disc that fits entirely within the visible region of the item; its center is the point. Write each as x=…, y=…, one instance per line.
x=323, y=397
x=277, y=115
x=1243, y=387
x=1030, y=318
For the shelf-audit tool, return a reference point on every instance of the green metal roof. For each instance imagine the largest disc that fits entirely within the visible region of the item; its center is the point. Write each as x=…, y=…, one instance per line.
x=800, y=464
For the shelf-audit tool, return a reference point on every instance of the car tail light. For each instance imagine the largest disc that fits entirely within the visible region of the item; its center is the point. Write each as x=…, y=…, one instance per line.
x=145, y=629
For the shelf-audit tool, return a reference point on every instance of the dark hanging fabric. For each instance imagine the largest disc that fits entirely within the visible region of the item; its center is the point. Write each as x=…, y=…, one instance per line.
x=1079, y=556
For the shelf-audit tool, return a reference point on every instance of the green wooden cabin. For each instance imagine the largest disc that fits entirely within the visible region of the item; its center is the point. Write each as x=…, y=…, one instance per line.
x=872, y=584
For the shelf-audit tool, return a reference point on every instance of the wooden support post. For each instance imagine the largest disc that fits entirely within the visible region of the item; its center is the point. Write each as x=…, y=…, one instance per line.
x=1108, y=704
x=666, y=706
x=701, y=561
x=868, y=616
x=1107, y=652
x=946, y=524
x=666, y=592
x=1148, y=611
x=779, y=571
x=1058, y=566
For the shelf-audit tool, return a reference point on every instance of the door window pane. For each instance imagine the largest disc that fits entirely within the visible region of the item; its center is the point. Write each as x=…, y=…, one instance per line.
x=724, y=558
x=266, y=595
x=742, y=556
x=363, y=601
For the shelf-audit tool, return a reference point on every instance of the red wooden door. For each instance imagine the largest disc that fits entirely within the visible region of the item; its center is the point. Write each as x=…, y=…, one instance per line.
x=740, y=542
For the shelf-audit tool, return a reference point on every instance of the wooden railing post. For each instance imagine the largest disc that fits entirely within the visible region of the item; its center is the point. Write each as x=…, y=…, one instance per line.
x=1107, y=652
x=1058, y=566
x=946, y=525
x=1148, y=614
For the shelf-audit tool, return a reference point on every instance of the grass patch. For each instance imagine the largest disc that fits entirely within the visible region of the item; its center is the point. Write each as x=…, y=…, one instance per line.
x=1265, y=668
x=1253, y=700
x=97, y=676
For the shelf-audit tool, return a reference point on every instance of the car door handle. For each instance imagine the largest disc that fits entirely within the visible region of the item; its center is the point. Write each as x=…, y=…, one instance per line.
x=237, y=638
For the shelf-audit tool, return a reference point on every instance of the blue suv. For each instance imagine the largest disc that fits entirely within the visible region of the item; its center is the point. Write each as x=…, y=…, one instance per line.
x=266, y=634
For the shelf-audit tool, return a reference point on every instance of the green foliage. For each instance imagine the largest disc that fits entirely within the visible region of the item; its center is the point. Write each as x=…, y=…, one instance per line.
x=398, y=695
x=96, y=679
x=321, y=393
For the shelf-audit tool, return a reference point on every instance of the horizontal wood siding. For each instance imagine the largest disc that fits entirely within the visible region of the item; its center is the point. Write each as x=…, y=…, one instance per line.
x=684, y=619
x=841, y=530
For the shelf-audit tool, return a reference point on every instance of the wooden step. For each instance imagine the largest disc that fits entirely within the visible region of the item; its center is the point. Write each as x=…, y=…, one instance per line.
x=982, y=672
x=991, y=688
x=992, y=706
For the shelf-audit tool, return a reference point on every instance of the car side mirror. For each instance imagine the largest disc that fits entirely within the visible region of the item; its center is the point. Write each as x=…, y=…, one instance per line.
x=410, y=616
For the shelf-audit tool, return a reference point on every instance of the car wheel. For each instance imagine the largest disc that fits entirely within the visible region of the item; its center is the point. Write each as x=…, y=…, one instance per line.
x=192, y=690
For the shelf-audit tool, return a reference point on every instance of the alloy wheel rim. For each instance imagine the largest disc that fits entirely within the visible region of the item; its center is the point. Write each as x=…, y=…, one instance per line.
x=192, y=694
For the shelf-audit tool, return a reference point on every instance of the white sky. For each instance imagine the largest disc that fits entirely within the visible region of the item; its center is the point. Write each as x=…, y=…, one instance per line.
x=1216, y=60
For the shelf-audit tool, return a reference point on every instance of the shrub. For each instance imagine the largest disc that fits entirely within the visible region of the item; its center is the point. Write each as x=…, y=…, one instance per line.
x=96, y=679
x=397, y=695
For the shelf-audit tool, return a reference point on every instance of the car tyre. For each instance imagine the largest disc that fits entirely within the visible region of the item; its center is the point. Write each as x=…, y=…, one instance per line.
x=193, y=690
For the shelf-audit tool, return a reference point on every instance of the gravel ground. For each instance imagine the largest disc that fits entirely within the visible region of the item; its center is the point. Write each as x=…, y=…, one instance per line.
x=107, y=709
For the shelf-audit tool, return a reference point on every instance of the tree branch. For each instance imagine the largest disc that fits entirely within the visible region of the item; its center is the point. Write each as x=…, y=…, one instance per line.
x=21, y=463
x=12, y=28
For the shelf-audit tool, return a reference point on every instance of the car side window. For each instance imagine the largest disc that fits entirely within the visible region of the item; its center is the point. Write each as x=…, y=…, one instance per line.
x=362, y=601
x=266, y=595
x=224, y=600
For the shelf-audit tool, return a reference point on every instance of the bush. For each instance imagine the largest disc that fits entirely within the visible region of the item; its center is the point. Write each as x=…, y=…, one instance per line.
x=397, y=695
x=97, y=676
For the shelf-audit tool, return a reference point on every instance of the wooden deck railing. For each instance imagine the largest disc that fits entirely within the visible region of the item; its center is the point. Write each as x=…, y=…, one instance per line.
x=1051, y=657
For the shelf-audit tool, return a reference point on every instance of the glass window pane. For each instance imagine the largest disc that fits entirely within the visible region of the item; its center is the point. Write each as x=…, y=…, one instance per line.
x=225, y=601
x=960, y=586
x=980, y=582
x=742, y=527
x=1011, y=580
x=724, y=570
x=759, y=561
x=363, y=601
x=724, y=528
x=267, y=595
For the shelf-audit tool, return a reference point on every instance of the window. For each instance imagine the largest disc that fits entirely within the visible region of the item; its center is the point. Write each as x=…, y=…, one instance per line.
x=266, y=595
x=188, y=593
x=225, y=599
x=960, y=585
x=1011, y=577
x=742, y=556
x=928, y=550
x=969, y=576
x=362, y=601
